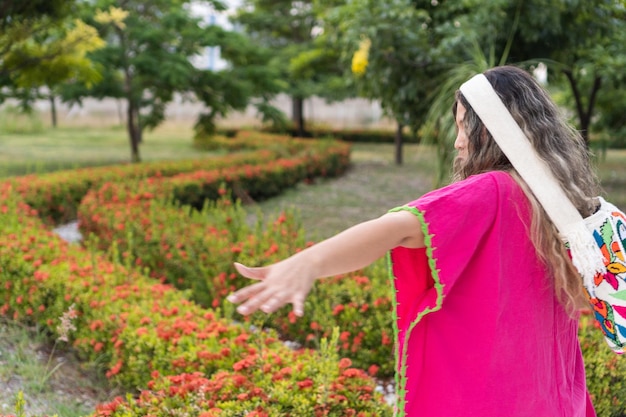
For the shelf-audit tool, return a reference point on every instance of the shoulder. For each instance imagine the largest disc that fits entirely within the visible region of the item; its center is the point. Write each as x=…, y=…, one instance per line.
x=485, y=186
x=490, y=180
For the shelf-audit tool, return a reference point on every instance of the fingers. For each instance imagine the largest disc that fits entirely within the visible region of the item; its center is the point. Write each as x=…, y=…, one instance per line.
x=258, y=297
x=253, y=273
x=298, y=305
x=245, y=293
x=277, y=287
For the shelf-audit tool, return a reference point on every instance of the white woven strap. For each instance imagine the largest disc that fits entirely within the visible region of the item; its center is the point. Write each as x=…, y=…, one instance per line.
x=524, y=158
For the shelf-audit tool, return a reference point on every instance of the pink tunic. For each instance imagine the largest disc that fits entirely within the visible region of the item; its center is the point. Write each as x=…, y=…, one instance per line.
x=479, y=330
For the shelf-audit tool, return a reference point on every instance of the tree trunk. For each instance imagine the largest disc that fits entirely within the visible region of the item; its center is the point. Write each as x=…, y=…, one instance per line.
x=584, y=115
x=398, y=142
x=53, y=110
x=133, y=131
x=297, y=115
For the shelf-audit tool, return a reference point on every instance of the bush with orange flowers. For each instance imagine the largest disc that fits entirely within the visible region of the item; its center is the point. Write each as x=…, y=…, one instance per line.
x=270, y=383
x=196, y=250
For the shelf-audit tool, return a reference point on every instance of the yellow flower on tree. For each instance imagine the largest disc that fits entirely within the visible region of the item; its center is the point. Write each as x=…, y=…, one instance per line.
x=83, y=38
x=360, y=57
x=115, y=15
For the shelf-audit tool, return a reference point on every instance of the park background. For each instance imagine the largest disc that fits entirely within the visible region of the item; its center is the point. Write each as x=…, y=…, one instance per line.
x=130, y=115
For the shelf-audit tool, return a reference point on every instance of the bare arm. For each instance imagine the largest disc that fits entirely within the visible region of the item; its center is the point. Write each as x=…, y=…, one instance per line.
x=290, y=280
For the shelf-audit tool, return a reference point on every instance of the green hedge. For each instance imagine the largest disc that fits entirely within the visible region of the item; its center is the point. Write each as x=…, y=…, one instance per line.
x=144, y=333
x=223, y=138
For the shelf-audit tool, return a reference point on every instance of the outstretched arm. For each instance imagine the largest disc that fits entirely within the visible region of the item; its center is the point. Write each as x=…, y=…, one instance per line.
x=290, y=280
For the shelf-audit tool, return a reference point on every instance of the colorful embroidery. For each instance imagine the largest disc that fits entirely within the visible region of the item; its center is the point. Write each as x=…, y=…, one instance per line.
x=611, y=316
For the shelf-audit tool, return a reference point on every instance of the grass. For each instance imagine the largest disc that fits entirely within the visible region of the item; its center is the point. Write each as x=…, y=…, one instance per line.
x=77, y=146
x=51, y=378
x=373, y=185
x=612, y=172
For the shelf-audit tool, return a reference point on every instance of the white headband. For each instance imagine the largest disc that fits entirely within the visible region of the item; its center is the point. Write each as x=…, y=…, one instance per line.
x=524, y=158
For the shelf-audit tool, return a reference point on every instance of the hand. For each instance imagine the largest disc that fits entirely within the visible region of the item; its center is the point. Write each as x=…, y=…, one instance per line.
x=280, y=284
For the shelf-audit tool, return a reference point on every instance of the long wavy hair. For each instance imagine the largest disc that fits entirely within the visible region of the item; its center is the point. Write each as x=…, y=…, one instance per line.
x=558, y=144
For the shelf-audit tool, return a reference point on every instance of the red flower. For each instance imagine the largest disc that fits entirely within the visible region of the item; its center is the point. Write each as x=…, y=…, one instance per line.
x=115, y=370
x=292, y=317
x=338, y=309
x=305, y=384
x=385, y=339
x=345, y=363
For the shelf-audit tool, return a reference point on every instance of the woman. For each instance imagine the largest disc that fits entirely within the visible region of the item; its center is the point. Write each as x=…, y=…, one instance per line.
x=486, y=295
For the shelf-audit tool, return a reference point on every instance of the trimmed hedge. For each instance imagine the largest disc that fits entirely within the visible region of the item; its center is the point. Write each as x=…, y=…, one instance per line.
x=222, y=140
x=139, y=330
x=144, y=334
x=196, y=251
x=57, y=195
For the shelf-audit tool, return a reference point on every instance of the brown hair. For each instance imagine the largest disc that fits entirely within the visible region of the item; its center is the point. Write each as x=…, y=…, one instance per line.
x=558, y=144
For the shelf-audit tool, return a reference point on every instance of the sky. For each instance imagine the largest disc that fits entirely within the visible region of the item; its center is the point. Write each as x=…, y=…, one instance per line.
x=211, y=57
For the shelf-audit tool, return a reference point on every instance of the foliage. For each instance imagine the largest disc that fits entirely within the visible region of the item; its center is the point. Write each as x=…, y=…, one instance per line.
x=20, y=405
x=301, y=54
x=57, y=195
x=147, y=61
x=413, y=46
x=61, y=55
x=264, y=384
x=196, y=251
x=609, y=122
x=143, y=334
x=41, y=51
x=583, y=44
x=365, y=135
x=390, y=44
x=12, y=11
x=399, y=50
x=605, y=370
x=138, y=329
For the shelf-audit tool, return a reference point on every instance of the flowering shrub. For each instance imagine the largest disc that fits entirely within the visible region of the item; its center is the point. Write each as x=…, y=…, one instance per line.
x=196, y=251
x=605, y=370
x=57, y=195
x=267, y=383
x=136, y=328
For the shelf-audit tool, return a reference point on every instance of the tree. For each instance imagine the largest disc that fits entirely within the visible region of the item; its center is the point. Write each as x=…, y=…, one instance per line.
x=49, y=58
x=147, y=60
x=42, y=45
x=583, y=43
x=292, y=31
x=393, y=48
x=12, y=12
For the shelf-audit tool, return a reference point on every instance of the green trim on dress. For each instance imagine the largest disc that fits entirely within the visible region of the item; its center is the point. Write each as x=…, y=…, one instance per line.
x=401, y=377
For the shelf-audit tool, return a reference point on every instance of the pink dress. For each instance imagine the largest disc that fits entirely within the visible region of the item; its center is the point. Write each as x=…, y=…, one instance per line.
x=479, y=331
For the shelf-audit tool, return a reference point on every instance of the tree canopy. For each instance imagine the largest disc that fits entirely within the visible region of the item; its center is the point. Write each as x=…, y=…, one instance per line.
x=147, y=60
x=301, y=55
x=409, y=55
